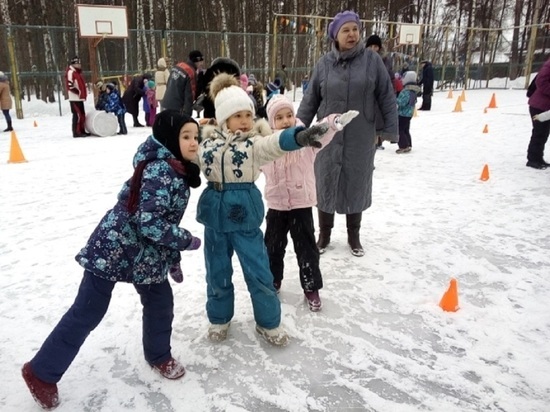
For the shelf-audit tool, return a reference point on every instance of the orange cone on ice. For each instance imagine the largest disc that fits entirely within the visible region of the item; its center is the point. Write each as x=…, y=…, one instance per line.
x=449, y=301
x=485, y=173
x=450, y=94
x=16, y=154
x=458, y=106
x=35, y=124
x=493, y=103
x=463, y=95
x=486, y=129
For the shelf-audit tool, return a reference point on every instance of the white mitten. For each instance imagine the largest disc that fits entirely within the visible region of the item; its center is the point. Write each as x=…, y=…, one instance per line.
x=542, y=117
x=342, y=120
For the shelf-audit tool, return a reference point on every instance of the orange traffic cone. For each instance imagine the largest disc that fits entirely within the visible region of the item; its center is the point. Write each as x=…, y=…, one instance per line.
x=485, y=173
x=458, y=106
x=450, y=94
x=463, y=95
x=449, y=301
x=415, y=112
x=16, y=154
x=493, y=103
x=486, y=129
x=35, y=124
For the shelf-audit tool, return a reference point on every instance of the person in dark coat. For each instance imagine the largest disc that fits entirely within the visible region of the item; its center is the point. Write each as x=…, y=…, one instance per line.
x=427, y=82
x=219, y=65
x=374, y=43
x=349, y=77
x=132, y=96
x=138, y=241
x=102, y=97
x=182, y=86
x=539, y=102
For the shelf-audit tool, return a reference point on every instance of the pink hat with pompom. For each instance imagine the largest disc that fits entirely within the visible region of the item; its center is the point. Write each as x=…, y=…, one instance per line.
x=275, y=104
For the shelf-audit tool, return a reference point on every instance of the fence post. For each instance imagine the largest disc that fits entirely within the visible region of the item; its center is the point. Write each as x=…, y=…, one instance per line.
x=274, y=49
x=15, y=76
x=468, y=58
x=532, y=44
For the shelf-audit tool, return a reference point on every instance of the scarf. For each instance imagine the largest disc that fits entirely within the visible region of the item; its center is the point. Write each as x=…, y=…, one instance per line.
x=186, y=169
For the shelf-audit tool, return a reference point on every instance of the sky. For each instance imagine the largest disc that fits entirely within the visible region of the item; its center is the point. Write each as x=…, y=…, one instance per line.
x=380, y=343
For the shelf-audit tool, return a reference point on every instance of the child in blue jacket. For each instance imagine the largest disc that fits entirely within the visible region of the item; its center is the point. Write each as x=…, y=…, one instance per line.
x=139, y=242
x=232, y=210
x=406, y=102
x=116, y=106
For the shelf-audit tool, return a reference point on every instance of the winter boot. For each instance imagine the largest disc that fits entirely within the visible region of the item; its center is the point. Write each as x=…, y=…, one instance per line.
x=45, y=394
x=326, y=223
x=353, y=222
x=276, y=336
x=218, y=333
x=171, y=369
x=9, y=128
x=313, y=300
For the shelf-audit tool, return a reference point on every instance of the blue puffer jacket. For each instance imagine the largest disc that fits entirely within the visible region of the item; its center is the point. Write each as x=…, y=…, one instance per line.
x=140, y=248
x=114, y=104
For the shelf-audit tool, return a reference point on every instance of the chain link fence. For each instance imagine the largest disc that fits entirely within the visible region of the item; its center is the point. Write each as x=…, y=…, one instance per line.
x=40, y=54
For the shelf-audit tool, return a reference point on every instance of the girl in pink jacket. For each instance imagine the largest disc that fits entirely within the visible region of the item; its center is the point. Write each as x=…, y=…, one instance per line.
x=290, y=195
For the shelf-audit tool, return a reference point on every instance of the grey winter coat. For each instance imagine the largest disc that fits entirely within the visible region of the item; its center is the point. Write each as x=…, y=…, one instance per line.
x=356, y=79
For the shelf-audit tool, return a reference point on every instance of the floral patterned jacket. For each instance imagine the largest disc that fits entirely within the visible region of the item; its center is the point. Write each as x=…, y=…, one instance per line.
x=140, y=247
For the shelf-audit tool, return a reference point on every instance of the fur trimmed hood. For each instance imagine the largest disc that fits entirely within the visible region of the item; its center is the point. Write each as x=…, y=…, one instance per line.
x=260, y=128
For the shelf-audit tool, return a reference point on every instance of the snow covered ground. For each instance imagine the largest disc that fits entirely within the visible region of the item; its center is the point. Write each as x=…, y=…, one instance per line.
x=381, y=343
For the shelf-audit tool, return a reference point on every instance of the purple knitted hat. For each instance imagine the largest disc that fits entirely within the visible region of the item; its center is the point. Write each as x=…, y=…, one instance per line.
x=339, y=20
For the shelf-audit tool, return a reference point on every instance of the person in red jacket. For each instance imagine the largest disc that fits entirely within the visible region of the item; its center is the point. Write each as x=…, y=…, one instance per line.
x=77, y=96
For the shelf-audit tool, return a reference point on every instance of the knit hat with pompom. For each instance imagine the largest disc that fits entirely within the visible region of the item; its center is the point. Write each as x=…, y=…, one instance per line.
x=229, y=97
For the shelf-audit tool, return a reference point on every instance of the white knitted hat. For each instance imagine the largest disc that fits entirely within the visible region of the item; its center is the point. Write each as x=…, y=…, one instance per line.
x=409, y=77
x=229, y=97
x=276, y=103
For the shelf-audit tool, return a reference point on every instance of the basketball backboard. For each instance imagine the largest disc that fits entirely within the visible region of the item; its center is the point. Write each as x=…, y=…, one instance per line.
x=102, y=21
x=409, y=34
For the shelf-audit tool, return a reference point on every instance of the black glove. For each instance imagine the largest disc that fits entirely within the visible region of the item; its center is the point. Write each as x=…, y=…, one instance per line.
x=312, y=135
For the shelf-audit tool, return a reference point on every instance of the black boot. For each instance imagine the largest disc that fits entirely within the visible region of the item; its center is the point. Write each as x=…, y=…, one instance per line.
x=326, y=223
x=353, y=222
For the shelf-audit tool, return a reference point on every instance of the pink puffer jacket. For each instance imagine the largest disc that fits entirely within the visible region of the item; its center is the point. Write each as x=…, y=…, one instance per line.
x=290, y=180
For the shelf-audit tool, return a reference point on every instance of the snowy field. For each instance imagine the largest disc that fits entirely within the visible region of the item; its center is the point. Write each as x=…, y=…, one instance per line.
x=381, y=343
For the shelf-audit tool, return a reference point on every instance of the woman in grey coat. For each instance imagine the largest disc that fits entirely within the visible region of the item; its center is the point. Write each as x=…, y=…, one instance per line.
x=349, y=77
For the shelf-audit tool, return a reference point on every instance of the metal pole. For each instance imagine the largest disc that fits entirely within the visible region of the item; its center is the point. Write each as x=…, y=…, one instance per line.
x=15, y=77
x=444, y=58
x=274, y=49
x=468, y=57
x=532, y=44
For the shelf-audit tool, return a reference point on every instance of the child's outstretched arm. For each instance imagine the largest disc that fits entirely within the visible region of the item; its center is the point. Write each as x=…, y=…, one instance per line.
x=336, y=122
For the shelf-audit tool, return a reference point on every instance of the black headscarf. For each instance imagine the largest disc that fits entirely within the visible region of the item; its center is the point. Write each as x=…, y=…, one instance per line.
x=166, y=130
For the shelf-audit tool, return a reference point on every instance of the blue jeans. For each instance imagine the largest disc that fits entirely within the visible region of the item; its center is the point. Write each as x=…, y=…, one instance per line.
x=91, y=303
x=252, y=254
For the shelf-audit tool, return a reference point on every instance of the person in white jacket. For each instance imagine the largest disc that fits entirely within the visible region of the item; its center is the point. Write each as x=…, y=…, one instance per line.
x=290, y=194
x=161, y=79
x=231, y=207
